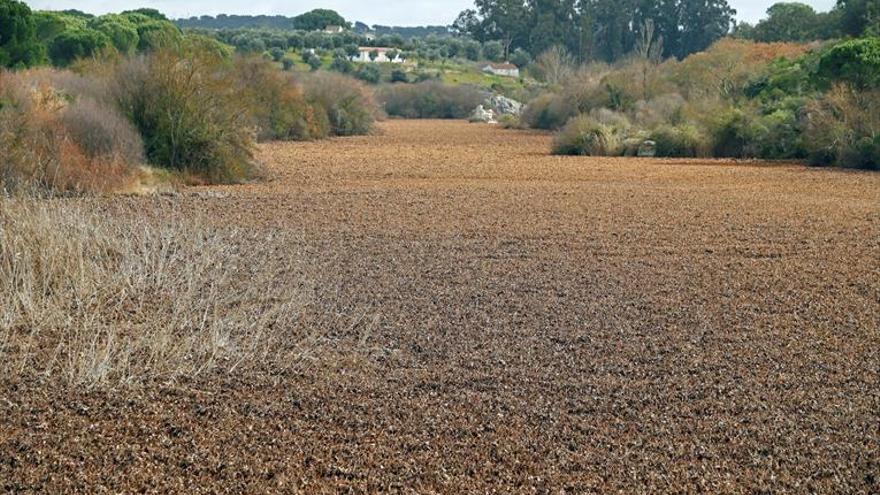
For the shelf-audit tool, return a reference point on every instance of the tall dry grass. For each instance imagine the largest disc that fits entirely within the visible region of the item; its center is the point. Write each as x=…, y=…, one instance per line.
x=107, y=300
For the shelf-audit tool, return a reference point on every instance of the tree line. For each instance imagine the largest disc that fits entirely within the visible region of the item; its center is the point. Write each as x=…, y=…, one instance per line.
x=609, y=30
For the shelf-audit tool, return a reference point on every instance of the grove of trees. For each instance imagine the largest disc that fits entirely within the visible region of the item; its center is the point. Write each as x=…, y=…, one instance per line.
x=597, y=29
x=608, y=30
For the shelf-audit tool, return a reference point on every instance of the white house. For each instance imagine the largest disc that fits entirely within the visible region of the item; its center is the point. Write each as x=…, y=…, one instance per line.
x=505, y=69
x=333, y=29
x=365, y=51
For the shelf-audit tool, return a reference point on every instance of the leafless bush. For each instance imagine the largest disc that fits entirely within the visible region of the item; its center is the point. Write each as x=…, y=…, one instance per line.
x=554, y=66
x=101, y=132
x=95, y=301
x=662, y=110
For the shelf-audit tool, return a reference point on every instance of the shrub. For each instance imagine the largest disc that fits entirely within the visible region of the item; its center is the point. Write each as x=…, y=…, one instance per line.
x=733, y=134
x=842, y=128
x=399, y=76
x=190, y=113
x=287, y=64
x=275, y=102
x=662, y=110
x=368, y=73
x=101, y=132
x=549, y=111
x=682, y=141
x=778, y=135
x=430, y=100
x=583, y=135
x=51, y=141
x=348, y=106
x=341, y=65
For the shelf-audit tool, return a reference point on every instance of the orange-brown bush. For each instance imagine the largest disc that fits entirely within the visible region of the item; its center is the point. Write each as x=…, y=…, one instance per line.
x=56, y=141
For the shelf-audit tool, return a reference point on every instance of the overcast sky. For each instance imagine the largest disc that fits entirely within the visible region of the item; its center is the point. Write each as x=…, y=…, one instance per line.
x=388, y=12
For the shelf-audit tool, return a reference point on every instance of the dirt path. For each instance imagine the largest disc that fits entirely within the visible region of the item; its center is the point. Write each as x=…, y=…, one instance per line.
x=497, y=320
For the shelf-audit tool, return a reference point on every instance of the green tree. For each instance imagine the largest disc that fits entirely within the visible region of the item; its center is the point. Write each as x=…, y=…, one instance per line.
x=788, y=22
x=552, y=23
x=277, y=54
x=493, y=50
x=506, y=21
x=75, y=44
x=374, y=54
x=369, y=74
x=703, y=23
x=149, y=13
x=520, y=58
x=121, y=31
x=18, y=36
x=856, y=62
x=318, y=20
x=472, y=50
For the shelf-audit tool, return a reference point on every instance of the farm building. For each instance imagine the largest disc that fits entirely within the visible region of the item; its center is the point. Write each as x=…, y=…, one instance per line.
x=505, y=69
x=382, y=55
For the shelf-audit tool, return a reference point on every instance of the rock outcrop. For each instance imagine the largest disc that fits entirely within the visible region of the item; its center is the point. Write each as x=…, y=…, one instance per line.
x=503, y=105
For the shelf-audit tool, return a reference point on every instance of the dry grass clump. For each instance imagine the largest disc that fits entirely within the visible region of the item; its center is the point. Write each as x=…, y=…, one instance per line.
x=585, y=135
x=53, y=139
x=92, y=300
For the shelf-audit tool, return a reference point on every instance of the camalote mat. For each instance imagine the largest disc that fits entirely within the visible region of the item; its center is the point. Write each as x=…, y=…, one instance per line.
x=478, y=316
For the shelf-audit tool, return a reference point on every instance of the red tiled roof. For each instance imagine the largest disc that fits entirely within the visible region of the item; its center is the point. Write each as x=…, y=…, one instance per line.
x=503, y=66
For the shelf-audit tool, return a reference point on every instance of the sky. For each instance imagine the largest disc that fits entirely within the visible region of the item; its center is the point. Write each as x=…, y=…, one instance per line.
x=388, y=12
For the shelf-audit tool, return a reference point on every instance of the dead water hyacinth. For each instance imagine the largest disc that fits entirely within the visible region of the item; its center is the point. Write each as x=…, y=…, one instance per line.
x=90, y=300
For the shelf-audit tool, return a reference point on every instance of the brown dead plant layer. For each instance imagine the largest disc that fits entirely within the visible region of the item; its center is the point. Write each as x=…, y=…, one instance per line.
x=89, y=300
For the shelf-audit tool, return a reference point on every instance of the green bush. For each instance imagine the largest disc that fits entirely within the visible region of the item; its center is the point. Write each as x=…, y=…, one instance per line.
x=347, y=106
x=778, y=135
x=275, y=102
x=190, y=113
x=429, y=100
x=399, y=76
x=341, y=65
x=733, y=135
x=368, y=73
x=583, y=135
x=682, y=141
x=856, y=62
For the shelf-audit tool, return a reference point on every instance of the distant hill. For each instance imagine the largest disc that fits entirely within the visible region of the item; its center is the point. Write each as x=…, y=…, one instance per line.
x=314, y=20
